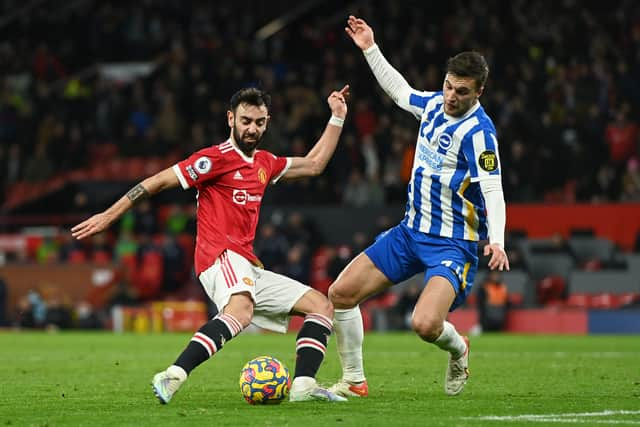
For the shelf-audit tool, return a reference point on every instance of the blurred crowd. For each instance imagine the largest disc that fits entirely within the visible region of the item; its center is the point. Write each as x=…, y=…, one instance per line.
x=151, y=252
x=564, y=88
x=152, y=248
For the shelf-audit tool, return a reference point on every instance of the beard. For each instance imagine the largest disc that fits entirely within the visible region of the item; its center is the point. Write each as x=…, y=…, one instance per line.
x=247, y=147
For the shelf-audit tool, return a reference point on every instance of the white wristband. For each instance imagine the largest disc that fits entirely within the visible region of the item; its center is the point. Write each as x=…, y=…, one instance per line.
x=336, y=121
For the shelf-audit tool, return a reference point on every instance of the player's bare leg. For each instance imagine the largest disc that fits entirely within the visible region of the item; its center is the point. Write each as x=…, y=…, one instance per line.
x=311, y=346
x=209, y=339
x=359, y=280
x=428, y=321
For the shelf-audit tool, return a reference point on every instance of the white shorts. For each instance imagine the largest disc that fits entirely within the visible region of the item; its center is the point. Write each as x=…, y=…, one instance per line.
x=274, y=295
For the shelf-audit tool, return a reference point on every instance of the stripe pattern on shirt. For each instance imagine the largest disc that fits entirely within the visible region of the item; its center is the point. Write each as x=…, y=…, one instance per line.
x=444, y=197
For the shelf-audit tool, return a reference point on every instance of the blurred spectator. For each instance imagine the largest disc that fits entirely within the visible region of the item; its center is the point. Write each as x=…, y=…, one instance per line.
x=297, y=265
x=125, y=246
x=299, y=230
x=39, y=167
x=400, y=314
x=86, y=317
x=561, y=126
x=174, y=267
x=271, y=247
x=58, y=315
x=24, y=316
x=101, y=250
x=339, y=261
x=169, y=125
x=32, y=310
x=70, y=249
x=493, y=302
x=177, y=219
x=622, y=138
x=3, y=302
x=46, y=65
x=47, y=251
x=631, y=181
x=145, y=219
x=358, y=192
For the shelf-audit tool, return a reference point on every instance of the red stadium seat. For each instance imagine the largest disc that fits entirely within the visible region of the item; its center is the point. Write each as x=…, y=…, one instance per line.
x=579, y=300
x=148, y=277
x=515, y=299
x=604, y=300
x=77, y=256
x=628, y=298
x=101, y=257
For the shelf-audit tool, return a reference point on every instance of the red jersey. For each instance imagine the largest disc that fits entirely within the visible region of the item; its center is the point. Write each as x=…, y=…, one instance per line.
x=230, y=188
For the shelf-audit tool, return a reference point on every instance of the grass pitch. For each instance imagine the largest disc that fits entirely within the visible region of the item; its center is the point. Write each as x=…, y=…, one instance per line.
x=56, y=379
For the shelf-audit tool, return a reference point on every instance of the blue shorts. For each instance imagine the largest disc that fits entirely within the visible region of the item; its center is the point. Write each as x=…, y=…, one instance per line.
x=401, y=253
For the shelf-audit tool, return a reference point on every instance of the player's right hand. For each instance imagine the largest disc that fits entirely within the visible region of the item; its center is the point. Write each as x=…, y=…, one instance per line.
x=94, y=225
x=338, y=102
x=360, y=32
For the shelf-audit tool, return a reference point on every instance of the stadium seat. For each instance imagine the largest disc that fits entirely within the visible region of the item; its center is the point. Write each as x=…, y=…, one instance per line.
x=148, y=278
x=612, y=281
x=588, y=249
x=628, y=298
x=604, y=301
x=542, y=265
x=77, y=256
x=516, y=299
x=102, y=152
x=579, y=300
x=135, y=168
x=101, y=257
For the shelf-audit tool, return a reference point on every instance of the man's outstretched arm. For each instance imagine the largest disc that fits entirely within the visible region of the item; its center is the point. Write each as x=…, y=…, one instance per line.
x=388, y=77
x=152, y=185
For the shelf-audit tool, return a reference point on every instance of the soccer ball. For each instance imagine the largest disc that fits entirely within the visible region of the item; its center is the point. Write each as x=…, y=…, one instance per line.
x=264, y=380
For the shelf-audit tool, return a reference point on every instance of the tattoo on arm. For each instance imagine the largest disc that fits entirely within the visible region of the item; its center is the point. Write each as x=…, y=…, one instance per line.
x=137, y=194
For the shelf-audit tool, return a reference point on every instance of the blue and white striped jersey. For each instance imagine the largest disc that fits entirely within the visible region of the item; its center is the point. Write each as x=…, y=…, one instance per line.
x=452, y=155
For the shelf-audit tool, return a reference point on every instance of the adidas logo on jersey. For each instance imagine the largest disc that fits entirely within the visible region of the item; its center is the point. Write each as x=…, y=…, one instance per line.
x=237, y=175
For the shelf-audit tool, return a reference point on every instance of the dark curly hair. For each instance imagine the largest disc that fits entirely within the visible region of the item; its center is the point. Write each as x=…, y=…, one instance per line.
x=251, y=96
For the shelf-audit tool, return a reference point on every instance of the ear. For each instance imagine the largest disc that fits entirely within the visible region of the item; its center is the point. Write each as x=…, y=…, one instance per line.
x=480, y=91
x=230, y=118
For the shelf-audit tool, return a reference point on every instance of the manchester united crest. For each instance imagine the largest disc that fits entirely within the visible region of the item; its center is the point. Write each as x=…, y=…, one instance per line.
x=262, y=176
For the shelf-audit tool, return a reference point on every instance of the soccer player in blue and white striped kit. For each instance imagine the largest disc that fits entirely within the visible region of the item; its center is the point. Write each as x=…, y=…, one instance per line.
x=455, y=199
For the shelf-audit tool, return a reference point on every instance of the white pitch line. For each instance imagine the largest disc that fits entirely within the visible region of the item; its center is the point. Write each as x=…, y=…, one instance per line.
x=575, y=418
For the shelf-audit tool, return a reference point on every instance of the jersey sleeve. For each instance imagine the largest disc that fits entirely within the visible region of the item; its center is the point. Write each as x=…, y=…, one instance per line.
x=198, y=168
x=279, y=166
x=481, y=152
x=415, y=101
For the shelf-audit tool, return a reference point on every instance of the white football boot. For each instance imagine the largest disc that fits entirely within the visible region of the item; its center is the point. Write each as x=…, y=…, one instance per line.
x=306, y=388
x=166, y=383
x=457, y=372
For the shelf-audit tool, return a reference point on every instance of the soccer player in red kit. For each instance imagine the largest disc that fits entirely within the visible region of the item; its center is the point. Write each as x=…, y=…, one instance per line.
x=231, y=179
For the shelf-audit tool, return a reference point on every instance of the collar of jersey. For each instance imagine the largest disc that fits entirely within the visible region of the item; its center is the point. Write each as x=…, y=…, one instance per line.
x=240, y=153
x=456, y=119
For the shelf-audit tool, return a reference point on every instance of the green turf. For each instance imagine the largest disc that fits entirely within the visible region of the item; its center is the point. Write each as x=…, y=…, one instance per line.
x=103, y=379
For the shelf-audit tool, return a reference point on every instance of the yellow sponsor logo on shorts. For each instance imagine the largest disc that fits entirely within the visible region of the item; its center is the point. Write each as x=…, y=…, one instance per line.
x=247, y=281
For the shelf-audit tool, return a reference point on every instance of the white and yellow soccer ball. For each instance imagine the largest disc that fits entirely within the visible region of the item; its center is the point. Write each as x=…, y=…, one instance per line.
x=264, y=380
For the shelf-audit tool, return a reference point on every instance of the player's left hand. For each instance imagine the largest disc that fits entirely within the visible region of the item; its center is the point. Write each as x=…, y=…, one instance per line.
x=338, y=102
x=94, y=225
x=498, y=259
